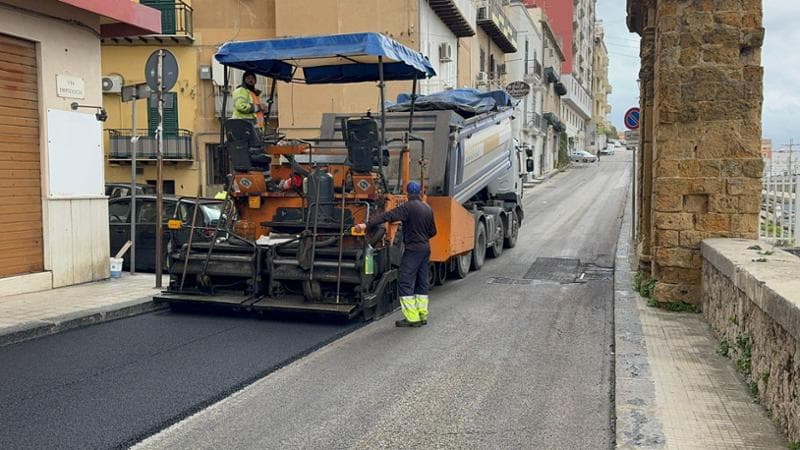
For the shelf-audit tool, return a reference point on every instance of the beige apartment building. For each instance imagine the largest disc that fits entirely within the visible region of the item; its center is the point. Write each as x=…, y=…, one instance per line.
x=601, y=88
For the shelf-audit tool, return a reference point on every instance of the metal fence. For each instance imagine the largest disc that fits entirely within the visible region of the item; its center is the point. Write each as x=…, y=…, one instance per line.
x=780, y=206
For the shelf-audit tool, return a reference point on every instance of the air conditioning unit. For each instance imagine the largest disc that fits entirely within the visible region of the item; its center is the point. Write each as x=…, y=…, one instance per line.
x=112, y=84
x=445, y=52
x=501, y=69
x=482, y=78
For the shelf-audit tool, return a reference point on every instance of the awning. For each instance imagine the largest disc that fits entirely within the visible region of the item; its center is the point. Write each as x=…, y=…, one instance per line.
x=337, y=58
x=122, y=17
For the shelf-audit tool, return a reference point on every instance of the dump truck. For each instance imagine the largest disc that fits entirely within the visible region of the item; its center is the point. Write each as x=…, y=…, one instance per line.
x=289, y=241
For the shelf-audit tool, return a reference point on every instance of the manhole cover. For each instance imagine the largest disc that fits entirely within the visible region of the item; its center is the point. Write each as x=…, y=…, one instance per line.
x=562, y=270
x=502, y=280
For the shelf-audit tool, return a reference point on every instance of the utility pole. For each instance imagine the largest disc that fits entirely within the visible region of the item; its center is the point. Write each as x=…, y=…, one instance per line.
x=159, y=173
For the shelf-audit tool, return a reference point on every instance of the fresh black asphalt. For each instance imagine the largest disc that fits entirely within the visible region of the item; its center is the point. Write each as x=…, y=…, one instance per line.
x=112, y=384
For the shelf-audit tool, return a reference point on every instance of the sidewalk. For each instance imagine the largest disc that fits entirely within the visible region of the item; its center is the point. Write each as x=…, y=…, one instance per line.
x=27, y=316
x=672, y=389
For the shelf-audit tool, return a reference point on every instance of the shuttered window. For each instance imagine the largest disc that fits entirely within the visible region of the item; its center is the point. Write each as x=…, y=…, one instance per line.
x=170, y=114
x=20, y=166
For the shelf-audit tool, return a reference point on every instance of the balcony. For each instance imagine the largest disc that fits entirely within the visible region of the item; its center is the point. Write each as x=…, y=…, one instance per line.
x=535, y=74
x=455, y=16
x=177, y=146
x=536, y=122
x=176, y=26
x=551, y=75
x=495, y=23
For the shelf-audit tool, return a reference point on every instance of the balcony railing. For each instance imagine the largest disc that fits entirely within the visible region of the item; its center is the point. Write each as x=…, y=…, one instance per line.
x=495, y=23
x=177, y=145
x=176, y=25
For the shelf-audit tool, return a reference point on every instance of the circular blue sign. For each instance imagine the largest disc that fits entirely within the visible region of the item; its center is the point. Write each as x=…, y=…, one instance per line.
x=632, y=118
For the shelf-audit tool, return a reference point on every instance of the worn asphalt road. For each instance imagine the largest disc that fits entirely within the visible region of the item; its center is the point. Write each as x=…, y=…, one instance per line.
x=500, y=365
x=505, y=362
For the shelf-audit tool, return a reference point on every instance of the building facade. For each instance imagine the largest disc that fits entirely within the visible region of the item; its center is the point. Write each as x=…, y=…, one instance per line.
x=192, y=31
x=573, y=22
x=55, y=226
x=552, y=58
x=601, y=89
x=526, y=65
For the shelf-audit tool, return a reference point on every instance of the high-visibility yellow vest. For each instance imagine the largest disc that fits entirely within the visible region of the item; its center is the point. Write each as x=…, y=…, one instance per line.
x=244, y=101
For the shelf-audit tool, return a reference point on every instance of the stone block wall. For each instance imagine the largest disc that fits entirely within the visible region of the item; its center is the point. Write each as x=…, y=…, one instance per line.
x=754, y=307
x=700, y=167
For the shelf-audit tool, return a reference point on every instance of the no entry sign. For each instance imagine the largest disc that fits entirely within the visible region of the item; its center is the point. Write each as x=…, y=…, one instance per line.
x=632, y=118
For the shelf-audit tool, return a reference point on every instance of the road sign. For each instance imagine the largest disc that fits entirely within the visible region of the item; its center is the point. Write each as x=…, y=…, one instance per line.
x=632, y=118
x=518, y=89
x=169, y=70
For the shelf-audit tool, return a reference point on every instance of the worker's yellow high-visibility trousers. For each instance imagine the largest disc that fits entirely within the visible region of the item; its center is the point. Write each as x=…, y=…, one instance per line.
x=422, y=307
x=409, y=306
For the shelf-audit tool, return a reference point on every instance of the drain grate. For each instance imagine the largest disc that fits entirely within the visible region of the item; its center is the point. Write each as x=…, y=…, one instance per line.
x=590, y=272
x=503, y=280
x=562, y=270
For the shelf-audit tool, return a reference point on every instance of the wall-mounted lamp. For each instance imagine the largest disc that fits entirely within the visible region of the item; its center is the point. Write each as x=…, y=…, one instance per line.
x=101, y=115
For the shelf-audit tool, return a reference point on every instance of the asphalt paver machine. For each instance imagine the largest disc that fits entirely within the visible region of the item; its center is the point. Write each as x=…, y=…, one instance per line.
x=288, y=241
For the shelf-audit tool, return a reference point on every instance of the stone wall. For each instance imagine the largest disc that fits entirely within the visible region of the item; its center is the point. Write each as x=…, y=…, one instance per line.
x=752, y=301
x=700, y=165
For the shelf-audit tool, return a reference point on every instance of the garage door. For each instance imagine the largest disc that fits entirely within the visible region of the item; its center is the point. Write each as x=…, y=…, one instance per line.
x=20, y=169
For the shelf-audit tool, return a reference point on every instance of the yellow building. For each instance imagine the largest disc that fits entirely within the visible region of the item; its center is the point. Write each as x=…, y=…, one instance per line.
x=192, y=30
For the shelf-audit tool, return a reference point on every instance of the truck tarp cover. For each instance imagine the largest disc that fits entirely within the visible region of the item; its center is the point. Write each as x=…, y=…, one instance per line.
x=466, y=102
x=335, y=58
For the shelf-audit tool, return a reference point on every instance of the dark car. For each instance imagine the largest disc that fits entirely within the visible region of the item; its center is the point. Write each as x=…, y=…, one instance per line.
x=119, y=213
x=114, y=190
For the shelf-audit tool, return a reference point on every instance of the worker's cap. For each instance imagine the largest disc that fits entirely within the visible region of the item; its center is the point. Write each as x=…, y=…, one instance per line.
x=413, y=188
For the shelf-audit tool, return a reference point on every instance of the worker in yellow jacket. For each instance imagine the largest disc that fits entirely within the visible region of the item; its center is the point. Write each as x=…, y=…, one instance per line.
x=247, y=102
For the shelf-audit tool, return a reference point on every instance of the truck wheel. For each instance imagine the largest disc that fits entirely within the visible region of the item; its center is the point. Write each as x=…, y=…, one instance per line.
x=513, y=230
x=496, y=248
x=441, y=273
x=479, y=252
x=431, y=275
x=461, y=264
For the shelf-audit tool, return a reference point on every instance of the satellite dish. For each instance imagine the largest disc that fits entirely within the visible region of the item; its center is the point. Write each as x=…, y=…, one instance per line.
x=169, y=70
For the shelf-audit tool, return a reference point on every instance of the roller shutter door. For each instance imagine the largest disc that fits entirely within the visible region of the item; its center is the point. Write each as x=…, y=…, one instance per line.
x=20, y=167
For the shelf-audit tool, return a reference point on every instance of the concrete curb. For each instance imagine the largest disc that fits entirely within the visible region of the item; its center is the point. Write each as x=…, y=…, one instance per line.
x=39, y=328
x=636, y=422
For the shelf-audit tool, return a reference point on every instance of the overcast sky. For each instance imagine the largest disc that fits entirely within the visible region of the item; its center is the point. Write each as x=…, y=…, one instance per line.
x=780, y=58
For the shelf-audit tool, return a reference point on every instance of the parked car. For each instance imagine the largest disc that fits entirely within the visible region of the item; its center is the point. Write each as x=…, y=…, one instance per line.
x=608, y=150
x=582, y=156
x=119, y=214
x=114, y=190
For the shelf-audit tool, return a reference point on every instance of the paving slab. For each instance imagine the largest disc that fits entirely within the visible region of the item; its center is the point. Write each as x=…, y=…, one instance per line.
x=671, y=388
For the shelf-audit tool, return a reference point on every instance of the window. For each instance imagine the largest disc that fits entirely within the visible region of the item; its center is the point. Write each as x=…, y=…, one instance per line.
x=483, y=60
x=218, y=166
x=170, y=114
x=147, y=211
x=527, y=47
x=169, y=186
x=119, y=212
x=491, y=66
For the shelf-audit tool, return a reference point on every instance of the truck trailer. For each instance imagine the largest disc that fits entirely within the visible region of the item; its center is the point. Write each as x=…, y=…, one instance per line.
x=288, y=241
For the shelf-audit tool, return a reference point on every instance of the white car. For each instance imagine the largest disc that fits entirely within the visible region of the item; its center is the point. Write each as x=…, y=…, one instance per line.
x=582, y=156
x=609, y=150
